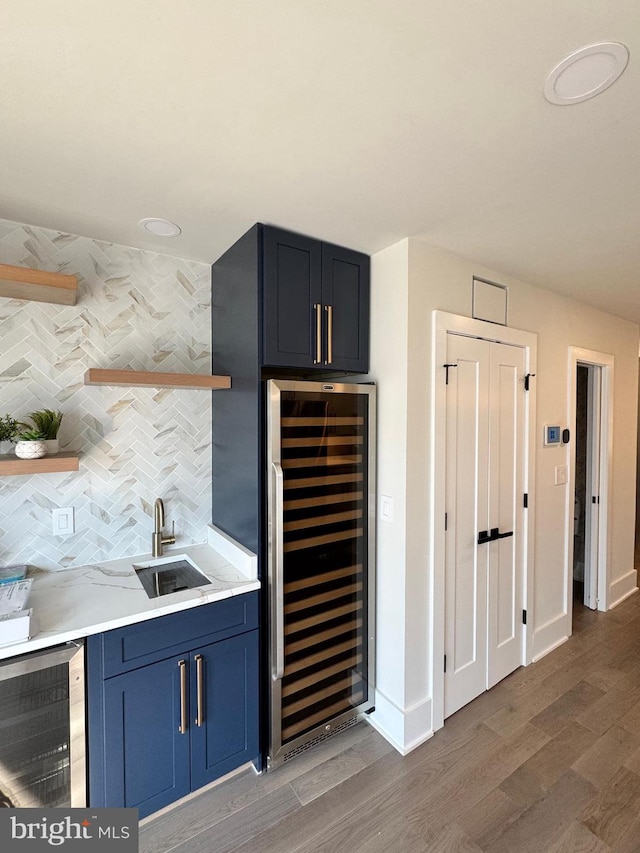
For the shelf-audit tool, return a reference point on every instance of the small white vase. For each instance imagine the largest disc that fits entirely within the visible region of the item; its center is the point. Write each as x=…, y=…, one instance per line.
x=51, y=445
x=30, y=449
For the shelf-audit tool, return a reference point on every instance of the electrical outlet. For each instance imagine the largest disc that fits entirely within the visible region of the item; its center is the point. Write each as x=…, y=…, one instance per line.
x=63, y=521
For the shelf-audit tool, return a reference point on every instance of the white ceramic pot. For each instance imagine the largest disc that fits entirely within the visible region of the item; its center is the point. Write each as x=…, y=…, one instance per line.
x=51, y=445
x=30, y=449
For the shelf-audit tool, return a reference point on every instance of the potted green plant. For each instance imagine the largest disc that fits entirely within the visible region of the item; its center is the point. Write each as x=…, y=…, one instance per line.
x=47, y=422
x=9, y=428
x=30, y=444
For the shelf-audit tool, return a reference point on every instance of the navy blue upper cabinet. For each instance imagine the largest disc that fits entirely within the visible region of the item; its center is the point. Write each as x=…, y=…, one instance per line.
x=315, y=304
x=345, y=294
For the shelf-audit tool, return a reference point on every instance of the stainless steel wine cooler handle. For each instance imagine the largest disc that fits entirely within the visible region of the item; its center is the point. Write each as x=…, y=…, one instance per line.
x=277, y=637
x=329, y=310
x=183, y=697
x=318, y=309
x=200, y=713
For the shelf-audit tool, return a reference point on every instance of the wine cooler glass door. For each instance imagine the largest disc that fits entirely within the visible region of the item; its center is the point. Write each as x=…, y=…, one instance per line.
x=321, y=465
x=42, y=754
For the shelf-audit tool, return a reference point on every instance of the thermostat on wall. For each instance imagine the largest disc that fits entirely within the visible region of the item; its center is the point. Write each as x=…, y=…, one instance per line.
x=552, y=434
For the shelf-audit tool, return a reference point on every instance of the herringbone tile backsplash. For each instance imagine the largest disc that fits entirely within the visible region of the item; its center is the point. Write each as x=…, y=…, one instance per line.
x=137, y=310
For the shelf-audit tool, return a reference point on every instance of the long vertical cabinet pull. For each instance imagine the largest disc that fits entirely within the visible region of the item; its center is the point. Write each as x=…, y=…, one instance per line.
x=318, y=309
x=329, y=310
x=182, y=665
x=277, y=614
x=199, y=676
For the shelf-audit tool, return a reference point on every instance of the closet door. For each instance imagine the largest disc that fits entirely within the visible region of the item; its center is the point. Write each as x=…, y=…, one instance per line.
x=484, y=483
x=467, y=502
x=506, y=490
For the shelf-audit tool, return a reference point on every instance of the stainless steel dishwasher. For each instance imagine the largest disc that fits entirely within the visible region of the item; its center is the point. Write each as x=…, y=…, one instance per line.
x=42, y=729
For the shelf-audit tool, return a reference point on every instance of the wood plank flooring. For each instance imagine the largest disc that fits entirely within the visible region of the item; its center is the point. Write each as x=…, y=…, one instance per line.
x=549, y=760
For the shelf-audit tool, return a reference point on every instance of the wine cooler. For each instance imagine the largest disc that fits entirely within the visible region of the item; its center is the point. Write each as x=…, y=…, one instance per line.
x=321, y=538
x=42, y=740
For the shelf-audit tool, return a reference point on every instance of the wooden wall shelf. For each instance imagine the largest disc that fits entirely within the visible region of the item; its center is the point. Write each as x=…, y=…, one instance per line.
x=56, y=462
x=150, y=379
x=38, y=286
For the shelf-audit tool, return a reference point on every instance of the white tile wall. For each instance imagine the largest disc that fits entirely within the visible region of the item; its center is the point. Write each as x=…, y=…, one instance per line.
x=137, y=310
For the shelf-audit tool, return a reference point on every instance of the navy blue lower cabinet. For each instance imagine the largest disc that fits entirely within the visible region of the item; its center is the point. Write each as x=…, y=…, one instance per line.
x=168, y=726
x=224, y=707
x=147, y=756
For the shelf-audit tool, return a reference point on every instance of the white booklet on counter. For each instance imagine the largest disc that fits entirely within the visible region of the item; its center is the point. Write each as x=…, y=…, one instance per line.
x=15, y=617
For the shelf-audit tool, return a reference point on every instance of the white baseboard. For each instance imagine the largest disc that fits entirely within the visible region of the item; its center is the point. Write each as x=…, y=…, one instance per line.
x=622, y=588
x=549, y=636
x=405, y=729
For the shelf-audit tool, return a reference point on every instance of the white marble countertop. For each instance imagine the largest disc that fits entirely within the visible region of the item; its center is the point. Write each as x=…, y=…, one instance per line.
x=72, y=603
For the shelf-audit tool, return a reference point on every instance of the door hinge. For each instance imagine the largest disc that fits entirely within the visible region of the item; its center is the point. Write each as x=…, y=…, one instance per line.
x=526, y=501
x=446, y=520
x=445, y=663
x=527, y=378
x=446, y=367
x=524, y=617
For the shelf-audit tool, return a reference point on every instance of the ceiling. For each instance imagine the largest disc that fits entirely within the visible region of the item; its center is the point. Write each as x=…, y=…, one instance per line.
x=357, y=121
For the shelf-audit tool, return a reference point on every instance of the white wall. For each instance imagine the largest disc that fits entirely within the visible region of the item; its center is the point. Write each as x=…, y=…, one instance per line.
x=389, y=362
x=427, y=279
x=138, y=310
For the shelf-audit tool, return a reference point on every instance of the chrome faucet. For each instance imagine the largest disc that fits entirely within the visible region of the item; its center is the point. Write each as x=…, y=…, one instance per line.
x=159, y=540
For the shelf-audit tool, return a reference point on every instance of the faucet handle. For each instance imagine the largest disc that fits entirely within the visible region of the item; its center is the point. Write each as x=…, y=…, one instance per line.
x=170, y=540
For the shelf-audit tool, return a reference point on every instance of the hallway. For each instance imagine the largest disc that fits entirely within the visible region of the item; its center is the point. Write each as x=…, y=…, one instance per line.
x=549, y=760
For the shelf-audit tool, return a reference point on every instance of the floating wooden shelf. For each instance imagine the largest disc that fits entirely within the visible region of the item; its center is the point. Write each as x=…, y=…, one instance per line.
x=150, y=379
x=38, y=286
x=11, y=464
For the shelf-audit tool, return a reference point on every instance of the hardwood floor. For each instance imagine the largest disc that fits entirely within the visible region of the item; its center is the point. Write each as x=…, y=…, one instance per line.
x=549, y=760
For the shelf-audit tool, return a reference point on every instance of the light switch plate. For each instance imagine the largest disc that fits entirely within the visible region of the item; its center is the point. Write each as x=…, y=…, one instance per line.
x=63, y=521
x=386, y=508
x=562, y=475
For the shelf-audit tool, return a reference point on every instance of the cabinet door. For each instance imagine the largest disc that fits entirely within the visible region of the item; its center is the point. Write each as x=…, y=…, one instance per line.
x=345, y=297
x=225, y=676
x=146, y=757
x=291, y=288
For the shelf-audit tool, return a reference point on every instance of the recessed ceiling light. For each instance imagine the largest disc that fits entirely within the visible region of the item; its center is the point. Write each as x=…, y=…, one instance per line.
x=160, y=227
x=586, y=72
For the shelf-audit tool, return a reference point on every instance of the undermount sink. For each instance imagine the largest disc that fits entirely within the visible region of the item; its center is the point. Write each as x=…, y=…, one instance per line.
x=169, y=574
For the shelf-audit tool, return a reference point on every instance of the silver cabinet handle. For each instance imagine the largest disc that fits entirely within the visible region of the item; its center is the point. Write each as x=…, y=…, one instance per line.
x=318, y=309
x=200, y=697
x=329, y=310
x=277, y=603
x=183, y=697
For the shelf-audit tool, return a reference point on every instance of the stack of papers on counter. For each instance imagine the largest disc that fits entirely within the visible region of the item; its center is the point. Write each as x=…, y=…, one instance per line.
x=15, y=617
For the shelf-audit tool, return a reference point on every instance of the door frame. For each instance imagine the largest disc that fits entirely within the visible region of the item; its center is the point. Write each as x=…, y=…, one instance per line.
x=605, y=361
x=444, y=323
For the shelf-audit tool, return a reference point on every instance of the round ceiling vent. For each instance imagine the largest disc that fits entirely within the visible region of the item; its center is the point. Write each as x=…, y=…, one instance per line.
x=586, y=72
x=160, y=227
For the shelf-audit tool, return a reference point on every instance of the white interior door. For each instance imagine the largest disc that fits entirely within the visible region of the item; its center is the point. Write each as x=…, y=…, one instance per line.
x=484, y=565
x=467, y=487
x=592, y=508
x=506, y=491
